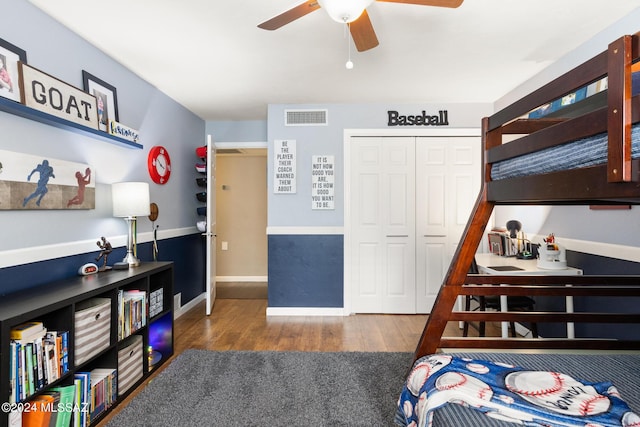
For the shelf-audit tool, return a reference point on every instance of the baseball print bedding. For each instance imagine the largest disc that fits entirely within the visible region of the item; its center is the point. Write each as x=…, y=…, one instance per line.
x=509, y=393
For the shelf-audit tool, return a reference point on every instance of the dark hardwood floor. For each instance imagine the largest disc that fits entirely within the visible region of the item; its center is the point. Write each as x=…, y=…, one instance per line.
x=242, y=324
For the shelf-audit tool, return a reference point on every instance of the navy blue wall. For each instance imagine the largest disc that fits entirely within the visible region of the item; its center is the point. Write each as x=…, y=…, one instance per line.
x=186, y=252
x=306, y=271
x=594, y=265
x=188, y=255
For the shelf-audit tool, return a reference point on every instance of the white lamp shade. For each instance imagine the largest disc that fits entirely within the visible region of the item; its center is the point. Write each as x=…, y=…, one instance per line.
x=344, y=11
x=130, y=199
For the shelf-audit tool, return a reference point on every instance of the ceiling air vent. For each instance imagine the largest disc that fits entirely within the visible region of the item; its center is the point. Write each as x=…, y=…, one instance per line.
x=305, y=117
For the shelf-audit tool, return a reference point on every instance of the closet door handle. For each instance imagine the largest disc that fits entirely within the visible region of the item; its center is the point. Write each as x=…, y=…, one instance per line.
x=435, y=235
x=397, y=235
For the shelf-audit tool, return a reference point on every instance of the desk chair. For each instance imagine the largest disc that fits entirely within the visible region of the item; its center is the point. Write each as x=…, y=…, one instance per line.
x=514, y=303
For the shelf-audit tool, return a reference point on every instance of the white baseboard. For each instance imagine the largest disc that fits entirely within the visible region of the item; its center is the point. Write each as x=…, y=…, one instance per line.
x=306, y=311
x=242, y=278
x=179, y=311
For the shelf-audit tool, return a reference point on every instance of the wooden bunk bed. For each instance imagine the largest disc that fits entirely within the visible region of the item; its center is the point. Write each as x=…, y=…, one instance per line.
x=510, y=135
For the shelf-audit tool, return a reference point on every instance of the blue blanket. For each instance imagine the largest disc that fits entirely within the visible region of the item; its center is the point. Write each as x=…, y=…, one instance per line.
x=510, y=393
x=577, y=154
x=573, y=155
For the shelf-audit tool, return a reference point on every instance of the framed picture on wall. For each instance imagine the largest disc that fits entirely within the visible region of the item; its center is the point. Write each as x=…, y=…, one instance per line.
x=9, y=57
x=106, y=98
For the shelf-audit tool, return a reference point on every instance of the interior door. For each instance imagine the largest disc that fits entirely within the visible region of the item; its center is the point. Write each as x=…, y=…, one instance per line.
x=432, y=220
x=210, y=275
x=447, y=185
x=382, y=223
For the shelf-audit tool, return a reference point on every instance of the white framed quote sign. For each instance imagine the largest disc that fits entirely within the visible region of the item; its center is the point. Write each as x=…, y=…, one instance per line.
x=322, y=182
x=284, y=166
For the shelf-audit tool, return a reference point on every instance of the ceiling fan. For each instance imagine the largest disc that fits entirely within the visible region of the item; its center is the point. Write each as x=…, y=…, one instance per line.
x=352, y=12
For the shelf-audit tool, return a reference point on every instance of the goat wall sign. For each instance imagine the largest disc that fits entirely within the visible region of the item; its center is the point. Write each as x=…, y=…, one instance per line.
x=45, y=93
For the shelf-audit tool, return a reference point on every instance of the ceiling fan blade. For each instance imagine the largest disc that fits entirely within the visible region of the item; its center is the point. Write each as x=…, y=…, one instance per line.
x=290, y=15
x=363, y=34
x=439, y=3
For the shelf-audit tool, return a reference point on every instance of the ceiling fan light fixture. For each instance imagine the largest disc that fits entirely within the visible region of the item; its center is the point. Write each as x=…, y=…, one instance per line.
x=344, y=11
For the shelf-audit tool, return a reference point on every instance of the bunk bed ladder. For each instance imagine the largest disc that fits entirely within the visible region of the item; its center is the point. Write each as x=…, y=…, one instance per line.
x=456, y=276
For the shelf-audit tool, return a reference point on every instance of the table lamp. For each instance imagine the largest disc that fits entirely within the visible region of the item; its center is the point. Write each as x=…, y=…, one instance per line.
x=514, y=228
x=130, y=200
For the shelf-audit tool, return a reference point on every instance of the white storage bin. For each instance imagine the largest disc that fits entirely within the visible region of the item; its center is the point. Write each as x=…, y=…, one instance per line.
x=130, y=362
x=92, y=328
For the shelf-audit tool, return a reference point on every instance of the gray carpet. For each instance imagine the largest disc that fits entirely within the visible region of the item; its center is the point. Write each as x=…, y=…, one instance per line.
x=235, y=388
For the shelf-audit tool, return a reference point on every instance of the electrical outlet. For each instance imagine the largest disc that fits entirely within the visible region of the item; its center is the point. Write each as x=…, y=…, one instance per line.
x=224, y=246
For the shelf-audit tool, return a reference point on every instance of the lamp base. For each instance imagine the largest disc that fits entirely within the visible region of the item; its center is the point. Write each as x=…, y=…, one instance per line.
x=131, y=260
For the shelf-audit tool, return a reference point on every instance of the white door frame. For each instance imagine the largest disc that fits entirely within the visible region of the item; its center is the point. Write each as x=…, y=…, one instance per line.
x=210, y=275
x=350, y=133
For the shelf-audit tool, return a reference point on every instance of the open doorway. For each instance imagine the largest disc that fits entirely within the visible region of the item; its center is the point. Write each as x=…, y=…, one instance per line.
x=241, y=216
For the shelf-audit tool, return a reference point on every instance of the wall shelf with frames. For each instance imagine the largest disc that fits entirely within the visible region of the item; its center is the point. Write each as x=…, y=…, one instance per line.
x=21, y=110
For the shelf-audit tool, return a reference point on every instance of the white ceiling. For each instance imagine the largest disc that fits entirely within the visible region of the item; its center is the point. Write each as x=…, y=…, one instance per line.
x=210, y=56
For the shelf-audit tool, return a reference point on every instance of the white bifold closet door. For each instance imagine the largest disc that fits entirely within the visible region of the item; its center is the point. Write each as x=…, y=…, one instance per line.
x=410, y=200
x=383, y=224
x=447, y=185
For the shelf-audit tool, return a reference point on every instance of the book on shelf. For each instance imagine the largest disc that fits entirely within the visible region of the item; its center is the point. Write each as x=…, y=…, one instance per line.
x=41, y=411
x=53, y=406
x=63, y=343
x=95, y=392
x=52, y=358
x=15, y=418
x=29, y=377
x=25, y=330
x=36, y=364
x=104, y=391
x=80, y=417
x=14, y=372
x=67, y=405
x=31, y=337
x=38, y=360
x=132, y=311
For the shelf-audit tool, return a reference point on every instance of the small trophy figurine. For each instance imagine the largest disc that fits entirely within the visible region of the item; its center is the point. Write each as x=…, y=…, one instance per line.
x=105, y=250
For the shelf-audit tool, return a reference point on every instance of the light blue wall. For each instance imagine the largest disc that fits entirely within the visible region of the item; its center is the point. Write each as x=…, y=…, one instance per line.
x=28, y=236
x=306, y=246
x=55, y=50
x=287, y=210
x=233, y=131
x=294, y=210
x=305, y=267
x=577, y=222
